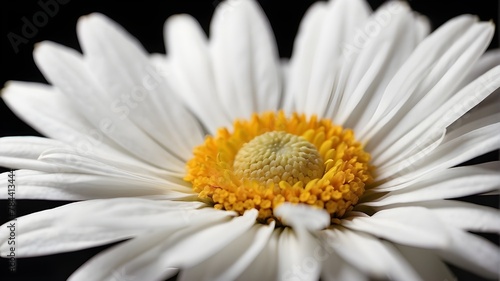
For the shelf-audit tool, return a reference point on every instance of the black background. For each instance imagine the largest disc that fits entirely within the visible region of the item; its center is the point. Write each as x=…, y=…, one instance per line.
x=145, y=21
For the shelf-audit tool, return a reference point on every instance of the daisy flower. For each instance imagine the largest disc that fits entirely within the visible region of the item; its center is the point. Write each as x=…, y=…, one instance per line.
x=221, y=162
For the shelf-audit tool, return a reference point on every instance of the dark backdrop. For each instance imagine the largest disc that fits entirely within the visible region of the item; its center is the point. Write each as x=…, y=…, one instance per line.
x=145, y=21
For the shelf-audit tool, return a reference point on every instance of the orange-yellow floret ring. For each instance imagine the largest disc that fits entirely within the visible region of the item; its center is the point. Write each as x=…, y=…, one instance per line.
x=271, y=159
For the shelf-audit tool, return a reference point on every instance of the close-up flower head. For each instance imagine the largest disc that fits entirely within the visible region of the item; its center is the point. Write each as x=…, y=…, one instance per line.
x=225, y=160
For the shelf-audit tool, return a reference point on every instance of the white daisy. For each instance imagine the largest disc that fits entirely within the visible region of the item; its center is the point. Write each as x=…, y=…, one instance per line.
x=338, y=164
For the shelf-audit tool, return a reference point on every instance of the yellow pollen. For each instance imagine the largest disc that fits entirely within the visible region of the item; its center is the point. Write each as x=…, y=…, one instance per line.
x=272, y=158
x=278, y=156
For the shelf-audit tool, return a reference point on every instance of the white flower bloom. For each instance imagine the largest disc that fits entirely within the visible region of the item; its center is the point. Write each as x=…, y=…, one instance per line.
x=279, y=190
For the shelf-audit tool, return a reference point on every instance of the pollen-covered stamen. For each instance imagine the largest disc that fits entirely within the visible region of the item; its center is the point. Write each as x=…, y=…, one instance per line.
x=278, y=156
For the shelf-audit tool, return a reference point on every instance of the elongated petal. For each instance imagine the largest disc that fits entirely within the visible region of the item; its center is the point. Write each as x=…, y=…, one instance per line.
x=438, y=86
x=486, y=62
x=69, y=160
x=336, y=269
x=468, y=216
x=75, y=186
x=230, y=262
x=477, y=255
x=121, y=68
x=450, y=183
x=67, y=71
x=297, y=260
x=303, y=262
x=379, y=49
x=427, y=264
x=188, y=54
x=51, y=113
x=462, y=215
x=342, y=19
x=413, y=226
x=436, y=121
x=457, y=147
x=303, y=54
x=23, y=152
x=401, y=87
x=379, y=259
x=246, y=70
x=149, y=257
x=265, y=265
x=74, y=227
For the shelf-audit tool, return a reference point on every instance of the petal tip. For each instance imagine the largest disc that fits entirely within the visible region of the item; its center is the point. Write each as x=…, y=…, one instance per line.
x=41, y=48
x=4, y=88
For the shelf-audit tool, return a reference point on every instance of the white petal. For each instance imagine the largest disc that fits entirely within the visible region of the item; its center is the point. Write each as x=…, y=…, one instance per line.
x=296, y=256
x=298, y=249
x=428, y=265
x=397, y=184
x=231, y=261
x=438, y=86
x=303, y=54
x=286, y=103
x=381, y=46
x=23, y=152
x=486, y=62
x=457, y=147
x=66, y=70
x=96, y=222
x=473, y=124
x=370, y=255
x=450, y=183
x=435, y=122
x=188, y=53
x=149, y=257
x=402, y=86
x=27, y=147
x=75, y=186
x=488, y=108
x=136, y=90
x=463, y=215
x=302, y=216
x=423, y=27
x=413, y=226
x=336, y=269
x=342, y=19
x=62, y=173
x=265, y=265
x=443, y=77
x=49, y=112
x=31, y=152
x=473, y=253
x=69, y=160
x=351, y=245
x=245, y=59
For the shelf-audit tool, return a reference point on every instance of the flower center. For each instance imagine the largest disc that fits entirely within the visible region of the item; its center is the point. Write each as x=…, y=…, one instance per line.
x=278, y=156
x=271, y=159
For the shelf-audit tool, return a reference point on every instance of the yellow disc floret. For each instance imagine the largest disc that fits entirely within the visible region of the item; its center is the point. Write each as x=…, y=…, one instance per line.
x=278, y=156
x=271, y=159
